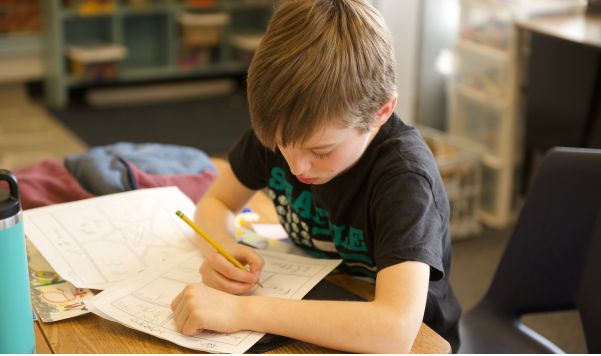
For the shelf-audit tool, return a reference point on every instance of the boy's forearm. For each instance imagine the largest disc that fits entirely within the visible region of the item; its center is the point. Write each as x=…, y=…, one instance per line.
x=214, y=219
x=364, y=327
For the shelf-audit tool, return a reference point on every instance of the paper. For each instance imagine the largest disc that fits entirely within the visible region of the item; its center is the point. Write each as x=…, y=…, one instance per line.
x=143, y=303
x=96, y=242
x=59, y=301
x=272, y=231
x=52, y=297
x=252, y=239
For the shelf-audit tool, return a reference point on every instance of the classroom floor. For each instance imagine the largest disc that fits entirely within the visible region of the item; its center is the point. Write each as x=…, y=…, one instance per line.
x=28, y=133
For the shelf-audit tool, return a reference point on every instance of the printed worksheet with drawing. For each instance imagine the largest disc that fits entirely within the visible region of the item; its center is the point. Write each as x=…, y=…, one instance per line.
x=143, y=302
x=96, y=242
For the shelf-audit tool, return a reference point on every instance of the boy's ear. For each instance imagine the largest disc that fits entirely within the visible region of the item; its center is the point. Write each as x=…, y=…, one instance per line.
x=385, y=111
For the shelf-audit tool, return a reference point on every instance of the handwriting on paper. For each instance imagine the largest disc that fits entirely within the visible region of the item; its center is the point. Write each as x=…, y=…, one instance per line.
x=143, y=303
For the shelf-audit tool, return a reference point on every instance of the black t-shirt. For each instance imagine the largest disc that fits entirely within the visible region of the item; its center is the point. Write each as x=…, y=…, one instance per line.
x=390, y=207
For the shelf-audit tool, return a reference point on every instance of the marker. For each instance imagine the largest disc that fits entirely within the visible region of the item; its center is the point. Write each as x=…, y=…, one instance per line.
x=214, y=243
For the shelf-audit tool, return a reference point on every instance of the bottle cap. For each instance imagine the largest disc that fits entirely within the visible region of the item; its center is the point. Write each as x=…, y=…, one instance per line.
x=9, y=200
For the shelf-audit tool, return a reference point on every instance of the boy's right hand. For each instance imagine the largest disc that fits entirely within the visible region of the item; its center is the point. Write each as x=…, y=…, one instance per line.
x=219, y=273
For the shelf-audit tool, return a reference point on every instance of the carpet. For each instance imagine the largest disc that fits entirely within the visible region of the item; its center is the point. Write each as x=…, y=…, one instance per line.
x=210, y=124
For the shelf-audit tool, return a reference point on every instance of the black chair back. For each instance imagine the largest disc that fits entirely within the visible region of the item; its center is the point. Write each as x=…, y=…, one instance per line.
x=552, y=261
x=542, y=264
x=589, y=293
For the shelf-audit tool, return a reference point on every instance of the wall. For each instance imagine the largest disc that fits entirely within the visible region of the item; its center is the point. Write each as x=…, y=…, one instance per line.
x=403, y=19
x=438, y=31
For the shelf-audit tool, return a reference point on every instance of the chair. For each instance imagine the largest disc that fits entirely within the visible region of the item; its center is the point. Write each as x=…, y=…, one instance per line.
x=541, y=267
x=589, y=294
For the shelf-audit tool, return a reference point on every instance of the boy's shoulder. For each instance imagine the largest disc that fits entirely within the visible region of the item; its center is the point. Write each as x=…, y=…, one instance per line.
x=402, y=158
x=402, y=149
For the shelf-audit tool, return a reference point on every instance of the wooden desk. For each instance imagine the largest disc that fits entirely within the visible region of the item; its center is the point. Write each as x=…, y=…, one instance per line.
x=41, y=346
x=92, y=334
x=563, y=84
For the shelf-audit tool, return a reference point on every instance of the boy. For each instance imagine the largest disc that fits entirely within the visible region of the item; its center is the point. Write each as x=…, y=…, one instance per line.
x=349, y=180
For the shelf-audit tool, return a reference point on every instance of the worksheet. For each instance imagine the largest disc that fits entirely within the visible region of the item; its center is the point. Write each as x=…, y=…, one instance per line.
x=96, y=242
x=143, y=302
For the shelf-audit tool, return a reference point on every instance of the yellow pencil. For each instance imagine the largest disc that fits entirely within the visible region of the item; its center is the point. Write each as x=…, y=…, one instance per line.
x=213, y=243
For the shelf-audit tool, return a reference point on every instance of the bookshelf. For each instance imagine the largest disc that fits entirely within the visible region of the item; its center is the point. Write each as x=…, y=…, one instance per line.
x=151, y=33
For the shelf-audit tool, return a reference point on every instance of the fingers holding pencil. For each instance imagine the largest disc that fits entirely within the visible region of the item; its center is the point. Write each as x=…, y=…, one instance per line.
x=219, y=273
x=223, y=261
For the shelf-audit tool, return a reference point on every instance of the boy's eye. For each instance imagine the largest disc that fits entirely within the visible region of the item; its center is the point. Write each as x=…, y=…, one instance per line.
x=320, y=155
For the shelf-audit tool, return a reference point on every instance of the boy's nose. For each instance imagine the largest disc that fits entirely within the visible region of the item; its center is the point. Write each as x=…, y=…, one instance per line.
x=299, y=165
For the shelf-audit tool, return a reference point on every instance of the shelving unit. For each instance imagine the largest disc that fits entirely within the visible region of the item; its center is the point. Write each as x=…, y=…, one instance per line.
x=20, y=44
x=151, y=35
x=482, y=102
x=485, y=92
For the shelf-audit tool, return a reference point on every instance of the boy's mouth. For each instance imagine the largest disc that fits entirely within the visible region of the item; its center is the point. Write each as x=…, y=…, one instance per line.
x=307, y=180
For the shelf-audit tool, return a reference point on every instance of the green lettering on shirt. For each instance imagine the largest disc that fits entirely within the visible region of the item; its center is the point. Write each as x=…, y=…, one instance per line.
x=316, y=231
x=319, y=215
x=356, y=241
x=350, y=239
x=277, y=180
x=338, y=233
x=302, y=204
x=356, y=257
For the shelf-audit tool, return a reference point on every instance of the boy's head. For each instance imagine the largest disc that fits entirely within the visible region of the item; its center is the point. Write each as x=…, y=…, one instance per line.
x=321, y=63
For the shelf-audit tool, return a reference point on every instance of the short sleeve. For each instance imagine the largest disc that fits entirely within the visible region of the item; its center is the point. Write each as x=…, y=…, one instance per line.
x=407, y=223
x=250, y=161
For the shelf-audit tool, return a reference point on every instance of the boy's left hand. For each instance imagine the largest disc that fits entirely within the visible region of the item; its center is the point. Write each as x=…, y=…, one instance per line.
x=198, y=307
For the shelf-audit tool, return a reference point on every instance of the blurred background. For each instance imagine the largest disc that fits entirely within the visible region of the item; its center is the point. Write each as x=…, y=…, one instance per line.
x=491, y=85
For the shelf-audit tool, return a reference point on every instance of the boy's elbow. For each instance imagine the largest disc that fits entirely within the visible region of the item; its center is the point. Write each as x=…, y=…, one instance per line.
x=409, y=327
x=401, y=348
x=401, y=342
x=398, y=337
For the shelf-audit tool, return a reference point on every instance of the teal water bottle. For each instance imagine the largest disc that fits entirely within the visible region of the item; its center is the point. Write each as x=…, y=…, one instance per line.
x=16, y=322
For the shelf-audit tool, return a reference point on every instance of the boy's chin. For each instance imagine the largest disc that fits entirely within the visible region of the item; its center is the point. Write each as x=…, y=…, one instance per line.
x=322, y=181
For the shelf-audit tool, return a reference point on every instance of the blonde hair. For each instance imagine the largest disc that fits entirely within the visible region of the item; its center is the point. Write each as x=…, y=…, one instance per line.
x=319, y=61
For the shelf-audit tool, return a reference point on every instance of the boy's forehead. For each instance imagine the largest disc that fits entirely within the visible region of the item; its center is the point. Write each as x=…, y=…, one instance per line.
x=321, y=137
